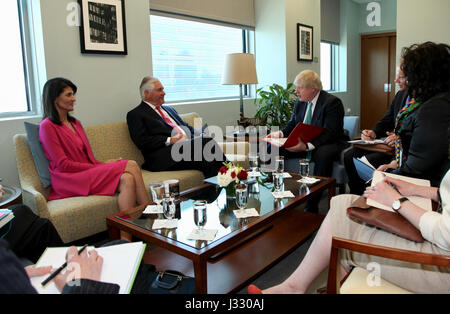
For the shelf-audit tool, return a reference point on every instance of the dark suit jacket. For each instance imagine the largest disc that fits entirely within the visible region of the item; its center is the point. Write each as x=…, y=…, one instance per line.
x=387, y=123
x=328, y=113
x=425, y=140
x=14, y=279
x=149, y=133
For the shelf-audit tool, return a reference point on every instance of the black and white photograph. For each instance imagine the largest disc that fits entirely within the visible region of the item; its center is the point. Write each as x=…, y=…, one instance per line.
x=304, y=42
x=103, y=27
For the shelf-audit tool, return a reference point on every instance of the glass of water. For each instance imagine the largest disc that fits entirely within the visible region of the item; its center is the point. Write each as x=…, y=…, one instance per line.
x=169, y=206
x=304, y=167
x=200, y=216
x=278, y=181
x=279, y=164
x=158, y=192
x=241, y=195
x=253, y=160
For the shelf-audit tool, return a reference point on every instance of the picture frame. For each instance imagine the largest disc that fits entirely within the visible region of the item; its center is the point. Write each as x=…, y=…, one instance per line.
x=304, y=42
x=103, y=27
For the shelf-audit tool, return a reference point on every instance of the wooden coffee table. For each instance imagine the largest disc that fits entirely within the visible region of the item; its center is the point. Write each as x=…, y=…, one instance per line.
x=242, y=248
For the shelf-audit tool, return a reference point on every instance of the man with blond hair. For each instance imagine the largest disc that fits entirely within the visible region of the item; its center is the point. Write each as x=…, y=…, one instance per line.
x=316, y=107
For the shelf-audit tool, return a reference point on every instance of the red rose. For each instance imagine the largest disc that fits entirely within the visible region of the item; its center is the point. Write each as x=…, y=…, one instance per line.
x=223, y=170
x=243, y=175
x=233, y=175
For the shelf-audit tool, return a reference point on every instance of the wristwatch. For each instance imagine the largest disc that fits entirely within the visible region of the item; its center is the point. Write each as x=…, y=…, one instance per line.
x=398, y=203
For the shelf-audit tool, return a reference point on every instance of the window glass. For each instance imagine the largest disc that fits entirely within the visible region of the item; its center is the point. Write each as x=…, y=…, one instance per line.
x=188, y=57
x=326, y=65
x=12, y=75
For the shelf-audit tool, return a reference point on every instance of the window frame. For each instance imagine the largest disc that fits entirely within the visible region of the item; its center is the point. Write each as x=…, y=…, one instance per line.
x=29, y=62
x=334, y=64
x=248, y=35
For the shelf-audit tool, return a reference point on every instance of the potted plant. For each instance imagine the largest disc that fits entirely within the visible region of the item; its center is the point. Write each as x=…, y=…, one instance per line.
x=276, y=104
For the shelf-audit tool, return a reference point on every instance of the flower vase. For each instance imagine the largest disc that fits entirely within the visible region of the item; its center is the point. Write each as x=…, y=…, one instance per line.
x=230, y=190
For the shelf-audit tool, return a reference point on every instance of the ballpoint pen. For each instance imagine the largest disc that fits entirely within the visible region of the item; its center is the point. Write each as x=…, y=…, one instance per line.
x=56, y=272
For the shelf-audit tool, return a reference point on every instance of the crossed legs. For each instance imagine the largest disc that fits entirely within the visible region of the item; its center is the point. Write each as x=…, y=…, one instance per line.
x=131, y=191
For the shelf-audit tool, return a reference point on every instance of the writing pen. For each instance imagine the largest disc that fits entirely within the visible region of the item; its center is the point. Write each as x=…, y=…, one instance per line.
x=56, y=272
x=390, y=183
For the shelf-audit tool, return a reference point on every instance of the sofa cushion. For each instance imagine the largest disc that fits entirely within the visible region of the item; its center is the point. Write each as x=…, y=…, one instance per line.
x=40, y=160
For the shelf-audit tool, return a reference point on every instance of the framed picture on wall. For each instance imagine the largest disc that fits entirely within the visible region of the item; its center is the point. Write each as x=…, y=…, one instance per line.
x=304, y=42
x=102, y=28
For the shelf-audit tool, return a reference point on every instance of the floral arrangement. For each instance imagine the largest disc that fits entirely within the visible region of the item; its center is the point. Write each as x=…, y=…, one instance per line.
x=229, y=175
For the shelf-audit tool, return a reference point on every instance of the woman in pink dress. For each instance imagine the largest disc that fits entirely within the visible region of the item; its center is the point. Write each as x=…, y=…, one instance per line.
x=74, y=170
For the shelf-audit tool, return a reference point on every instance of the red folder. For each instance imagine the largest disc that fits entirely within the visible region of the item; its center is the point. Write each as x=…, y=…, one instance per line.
x=306, y=132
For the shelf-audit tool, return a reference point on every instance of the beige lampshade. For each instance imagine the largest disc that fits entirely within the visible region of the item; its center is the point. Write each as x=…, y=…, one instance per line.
x=239, y=68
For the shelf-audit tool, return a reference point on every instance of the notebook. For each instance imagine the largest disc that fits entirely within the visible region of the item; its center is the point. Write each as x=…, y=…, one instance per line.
x=364, y=168
x=120, y=265
x=422, y=202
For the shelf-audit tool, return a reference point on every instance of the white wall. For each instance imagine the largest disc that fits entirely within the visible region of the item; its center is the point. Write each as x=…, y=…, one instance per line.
x=419, y=21
x=107, y=85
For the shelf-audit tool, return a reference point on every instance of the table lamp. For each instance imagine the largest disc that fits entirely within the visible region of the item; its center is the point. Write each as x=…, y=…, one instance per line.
x=239, y=69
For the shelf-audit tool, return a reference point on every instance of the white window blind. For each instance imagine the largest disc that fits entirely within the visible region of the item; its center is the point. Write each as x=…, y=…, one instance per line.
x=188, y=57
x=12, y=75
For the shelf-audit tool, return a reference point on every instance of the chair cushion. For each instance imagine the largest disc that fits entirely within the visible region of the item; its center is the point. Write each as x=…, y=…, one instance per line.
x=40, y=160
x=356, y=283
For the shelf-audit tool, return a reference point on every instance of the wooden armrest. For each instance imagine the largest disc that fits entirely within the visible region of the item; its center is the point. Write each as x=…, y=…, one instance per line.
x=333, y=284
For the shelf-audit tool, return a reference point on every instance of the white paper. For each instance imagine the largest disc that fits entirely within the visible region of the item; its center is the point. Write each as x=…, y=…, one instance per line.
x=308, y=180
x=165, y=224
x=246, y=213
x=367, y=162
x=286, y=175
x=363, y=142
x=202, y=234
x=422, y=202
x=254, y=174
x=153, y=209
x=283, y=194
x=120, y=263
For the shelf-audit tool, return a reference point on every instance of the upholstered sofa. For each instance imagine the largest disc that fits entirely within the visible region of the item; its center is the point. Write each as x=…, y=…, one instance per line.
x=79, y=217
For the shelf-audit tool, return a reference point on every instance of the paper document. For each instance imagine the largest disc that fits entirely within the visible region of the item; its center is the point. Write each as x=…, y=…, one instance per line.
x=283, y=194
x=120, y=265
x=422, y=202
x=363, y=142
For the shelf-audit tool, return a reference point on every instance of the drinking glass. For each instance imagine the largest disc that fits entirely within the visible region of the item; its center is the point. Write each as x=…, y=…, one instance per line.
x=158, y=192
x=200, y=216
x=279, y=164
x=254, y=162
x=304, y=167
x=169, y=207
x=278, y=181
x=241, y=195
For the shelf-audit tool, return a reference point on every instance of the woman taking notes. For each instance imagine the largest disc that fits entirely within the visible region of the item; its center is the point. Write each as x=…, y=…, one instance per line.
x=74, y=170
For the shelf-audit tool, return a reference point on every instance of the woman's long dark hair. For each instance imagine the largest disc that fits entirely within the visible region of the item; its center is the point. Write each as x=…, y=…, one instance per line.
x=427, y=68
x=52, y=89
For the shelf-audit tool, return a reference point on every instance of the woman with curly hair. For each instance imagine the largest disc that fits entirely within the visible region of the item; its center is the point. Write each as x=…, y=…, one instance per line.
x=422, y=126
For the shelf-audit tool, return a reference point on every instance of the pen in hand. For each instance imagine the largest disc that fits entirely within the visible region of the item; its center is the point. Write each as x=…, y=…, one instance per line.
x=390, y=183
x=56, y=272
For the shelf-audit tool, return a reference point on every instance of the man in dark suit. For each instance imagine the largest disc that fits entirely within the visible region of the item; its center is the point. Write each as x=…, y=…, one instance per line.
x=165, y=140
x=384, y=127
x=319, y=108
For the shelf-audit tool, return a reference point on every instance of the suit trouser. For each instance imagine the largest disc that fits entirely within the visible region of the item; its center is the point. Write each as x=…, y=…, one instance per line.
x=204, y=154
x=323, y=157
x=29, y=235
x=356, y=184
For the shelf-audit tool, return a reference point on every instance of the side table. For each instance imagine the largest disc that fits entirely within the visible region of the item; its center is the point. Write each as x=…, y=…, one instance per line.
x=11, y=195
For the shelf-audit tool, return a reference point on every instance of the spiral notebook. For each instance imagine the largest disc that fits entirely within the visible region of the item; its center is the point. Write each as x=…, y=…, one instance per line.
x=120, y=265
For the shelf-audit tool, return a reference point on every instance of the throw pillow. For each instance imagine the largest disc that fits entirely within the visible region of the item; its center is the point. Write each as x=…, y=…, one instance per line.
x=40, y=161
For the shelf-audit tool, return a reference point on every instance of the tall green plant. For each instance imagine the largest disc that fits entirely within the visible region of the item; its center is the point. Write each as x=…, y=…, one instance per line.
x=276, y=104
